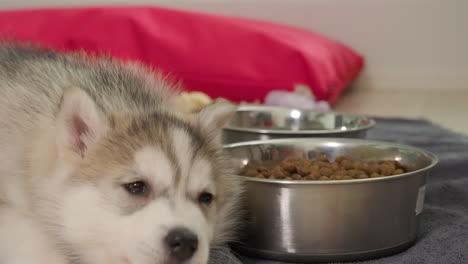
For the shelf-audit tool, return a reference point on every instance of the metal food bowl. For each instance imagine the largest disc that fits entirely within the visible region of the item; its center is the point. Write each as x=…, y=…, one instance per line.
x=269, y=122
x=345, y=220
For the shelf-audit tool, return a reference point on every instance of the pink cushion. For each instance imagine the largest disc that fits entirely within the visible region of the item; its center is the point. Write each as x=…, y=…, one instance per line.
x=238, y=59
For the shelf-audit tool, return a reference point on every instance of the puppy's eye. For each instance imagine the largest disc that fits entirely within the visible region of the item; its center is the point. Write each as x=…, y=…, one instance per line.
x=205, y=198
x=136, y=188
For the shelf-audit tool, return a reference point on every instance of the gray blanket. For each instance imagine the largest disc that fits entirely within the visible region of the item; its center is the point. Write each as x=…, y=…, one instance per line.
x=443, y=234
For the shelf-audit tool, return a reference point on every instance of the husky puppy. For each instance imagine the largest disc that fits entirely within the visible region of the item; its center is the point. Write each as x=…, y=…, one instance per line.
x=97, y=166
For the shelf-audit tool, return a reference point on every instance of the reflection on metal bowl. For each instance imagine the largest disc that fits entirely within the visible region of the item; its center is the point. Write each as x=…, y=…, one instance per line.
x=332, y=220
x=266, y=122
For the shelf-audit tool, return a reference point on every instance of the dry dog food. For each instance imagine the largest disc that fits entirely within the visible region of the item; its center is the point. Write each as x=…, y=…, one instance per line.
x=321, y=168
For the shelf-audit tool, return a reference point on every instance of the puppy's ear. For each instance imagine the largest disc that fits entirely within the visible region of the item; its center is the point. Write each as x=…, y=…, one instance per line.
x=215, y=116
x=79, y=123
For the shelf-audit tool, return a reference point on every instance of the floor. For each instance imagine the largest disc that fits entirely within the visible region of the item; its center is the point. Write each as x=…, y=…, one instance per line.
x=446, y=108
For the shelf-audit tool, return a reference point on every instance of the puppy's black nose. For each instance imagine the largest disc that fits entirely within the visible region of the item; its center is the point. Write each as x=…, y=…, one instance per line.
x=181, y=243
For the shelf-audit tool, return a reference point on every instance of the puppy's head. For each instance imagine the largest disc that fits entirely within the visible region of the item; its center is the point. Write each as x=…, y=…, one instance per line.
x=147, y=188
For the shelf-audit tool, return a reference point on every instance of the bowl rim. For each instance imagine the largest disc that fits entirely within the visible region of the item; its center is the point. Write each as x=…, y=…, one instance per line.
x=433, y=157
x=371, y=121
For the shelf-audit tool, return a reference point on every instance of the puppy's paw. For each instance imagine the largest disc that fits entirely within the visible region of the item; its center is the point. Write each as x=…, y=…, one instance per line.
x=22, y=241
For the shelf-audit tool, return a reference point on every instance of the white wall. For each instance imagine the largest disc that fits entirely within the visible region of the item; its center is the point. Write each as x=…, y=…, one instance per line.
x=408, y=44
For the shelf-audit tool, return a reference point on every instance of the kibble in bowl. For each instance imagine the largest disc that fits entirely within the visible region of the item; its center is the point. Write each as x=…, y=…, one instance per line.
x=329, y=199
x=322, y=168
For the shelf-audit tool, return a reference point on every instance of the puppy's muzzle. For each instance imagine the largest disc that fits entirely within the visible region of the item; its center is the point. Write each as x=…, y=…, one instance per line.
x=181, y=244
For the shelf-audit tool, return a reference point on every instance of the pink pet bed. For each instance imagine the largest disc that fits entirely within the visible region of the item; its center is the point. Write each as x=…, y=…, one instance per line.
x=238, y=59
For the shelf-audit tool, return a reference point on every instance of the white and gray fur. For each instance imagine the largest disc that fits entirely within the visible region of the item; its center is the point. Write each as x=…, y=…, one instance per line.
x=74, y=130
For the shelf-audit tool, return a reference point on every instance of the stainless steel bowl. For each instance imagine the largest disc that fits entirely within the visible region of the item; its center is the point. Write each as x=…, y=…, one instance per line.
x=267, y=122
x=332, y=220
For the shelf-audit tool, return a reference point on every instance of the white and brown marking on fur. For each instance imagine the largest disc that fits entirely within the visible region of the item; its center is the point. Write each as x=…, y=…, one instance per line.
x=97, y=161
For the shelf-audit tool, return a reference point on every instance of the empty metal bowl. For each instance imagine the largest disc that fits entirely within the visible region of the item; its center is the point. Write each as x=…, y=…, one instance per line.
x=343, y=220
x=269, y=122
